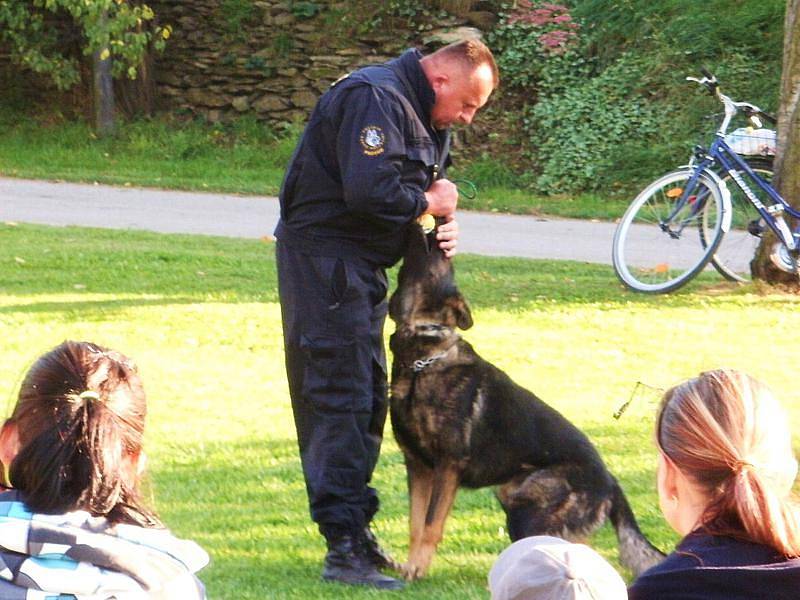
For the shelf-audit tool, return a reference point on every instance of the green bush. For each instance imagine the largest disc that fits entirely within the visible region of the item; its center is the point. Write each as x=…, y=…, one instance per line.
x=611, y=109
x=584, y=131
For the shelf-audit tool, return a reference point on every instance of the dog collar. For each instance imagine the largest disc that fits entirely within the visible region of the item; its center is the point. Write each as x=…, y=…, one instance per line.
x=419, y=364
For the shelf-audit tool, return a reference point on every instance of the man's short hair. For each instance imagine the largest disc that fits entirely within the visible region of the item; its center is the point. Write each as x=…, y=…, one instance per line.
x=473, y=53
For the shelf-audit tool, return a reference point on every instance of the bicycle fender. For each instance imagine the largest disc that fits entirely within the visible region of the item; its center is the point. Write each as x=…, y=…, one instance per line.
x=727, y=210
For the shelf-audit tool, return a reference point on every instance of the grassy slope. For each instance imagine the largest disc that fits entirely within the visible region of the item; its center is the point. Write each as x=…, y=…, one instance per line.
x=245, y=158
x=200, y=317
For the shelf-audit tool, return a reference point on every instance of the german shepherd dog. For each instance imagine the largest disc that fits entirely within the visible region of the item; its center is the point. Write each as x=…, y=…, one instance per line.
x=460, y=421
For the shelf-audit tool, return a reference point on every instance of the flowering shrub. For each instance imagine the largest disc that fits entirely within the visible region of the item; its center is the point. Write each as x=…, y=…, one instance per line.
x=528, y=34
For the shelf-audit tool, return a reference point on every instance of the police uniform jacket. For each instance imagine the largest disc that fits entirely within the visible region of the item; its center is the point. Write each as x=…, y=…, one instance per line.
x=360, y=170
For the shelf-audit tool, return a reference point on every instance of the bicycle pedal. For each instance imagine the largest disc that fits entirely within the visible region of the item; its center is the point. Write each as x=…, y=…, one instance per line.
x=755, y=227
x=781, y=258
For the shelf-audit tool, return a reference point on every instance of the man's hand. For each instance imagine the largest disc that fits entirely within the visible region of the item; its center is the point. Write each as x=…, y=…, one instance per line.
x=442, y=198
x=447, y=234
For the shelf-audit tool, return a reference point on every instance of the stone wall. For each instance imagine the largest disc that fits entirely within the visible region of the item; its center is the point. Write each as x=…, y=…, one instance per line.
x=267, y=58
x=272, y=58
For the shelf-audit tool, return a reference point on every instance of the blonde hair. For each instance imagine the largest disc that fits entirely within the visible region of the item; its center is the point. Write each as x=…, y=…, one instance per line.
x=727, y=433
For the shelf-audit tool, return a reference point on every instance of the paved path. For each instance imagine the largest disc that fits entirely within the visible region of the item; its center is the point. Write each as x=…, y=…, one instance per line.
x=489, y=234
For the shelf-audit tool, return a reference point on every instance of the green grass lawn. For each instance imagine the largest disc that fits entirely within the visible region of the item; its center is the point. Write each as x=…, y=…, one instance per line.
x=200, y=317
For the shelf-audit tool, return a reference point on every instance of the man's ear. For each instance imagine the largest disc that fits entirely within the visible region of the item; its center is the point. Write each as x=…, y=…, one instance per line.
x=439, y=81
x=9, y=443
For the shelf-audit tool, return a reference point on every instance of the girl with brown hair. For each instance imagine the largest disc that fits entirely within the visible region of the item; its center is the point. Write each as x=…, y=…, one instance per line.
x=725, y=474
x=72, y=520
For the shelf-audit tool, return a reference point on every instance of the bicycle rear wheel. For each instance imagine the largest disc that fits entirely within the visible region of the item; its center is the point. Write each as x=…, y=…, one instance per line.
x=738, y=247
x=657, y=248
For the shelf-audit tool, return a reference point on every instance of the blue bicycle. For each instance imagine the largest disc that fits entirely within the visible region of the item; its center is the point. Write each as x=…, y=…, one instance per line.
x=683, y=221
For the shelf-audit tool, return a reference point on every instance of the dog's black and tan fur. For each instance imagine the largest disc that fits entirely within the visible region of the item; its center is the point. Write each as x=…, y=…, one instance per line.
x=460, y=421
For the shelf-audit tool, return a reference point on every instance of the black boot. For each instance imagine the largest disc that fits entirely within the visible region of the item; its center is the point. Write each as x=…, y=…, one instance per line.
x=347, y=563
x=374, y=553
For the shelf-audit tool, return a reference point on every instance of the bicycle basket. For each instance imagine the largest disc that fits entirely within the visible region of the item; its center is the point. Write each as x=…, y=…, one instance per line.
x=752, y=142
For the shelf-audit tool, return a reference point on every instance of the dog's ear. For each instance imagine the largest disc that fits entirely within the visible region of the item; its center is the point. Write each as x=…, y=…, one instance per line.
x=396, y=306
x=461, y=310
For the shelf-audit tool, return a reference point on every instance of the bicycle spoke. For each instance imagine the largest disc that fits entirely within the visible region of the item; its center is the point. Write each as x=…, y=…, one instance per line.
x=657, y=247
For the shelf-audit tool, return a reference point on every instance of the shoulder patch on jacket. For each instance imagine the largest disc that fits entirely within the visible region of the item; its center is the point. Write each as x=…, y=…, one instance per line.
x=372, y=139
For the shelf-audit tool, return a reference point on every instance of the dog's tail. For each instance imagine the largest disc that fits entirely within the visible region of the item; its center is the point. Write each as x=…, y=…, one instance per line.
x=635, y=550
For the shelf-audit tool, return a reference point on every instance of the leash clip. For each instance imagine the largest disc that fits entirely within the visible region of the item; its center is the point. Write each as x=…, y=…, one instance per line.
x=419, y=364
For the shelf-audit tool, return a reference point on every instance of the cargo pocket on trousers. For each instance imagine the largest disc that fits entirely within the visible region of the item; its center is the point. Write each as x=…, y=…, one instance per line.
x=328, y=380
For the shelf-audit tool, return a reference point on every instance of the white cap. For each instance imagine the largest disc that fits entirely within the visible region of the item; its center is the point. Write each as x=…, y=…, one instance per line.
x=549, y=568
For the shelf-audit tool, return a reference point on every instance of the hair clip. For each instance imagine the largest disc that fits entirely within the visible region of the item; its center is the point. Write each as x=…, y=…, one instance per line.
x=83, y=396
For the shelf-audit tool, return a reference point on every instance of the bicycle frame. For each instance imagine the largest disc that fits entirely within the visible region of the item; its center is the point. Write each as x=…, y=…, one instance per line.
x=734, y=165
x=698, y=203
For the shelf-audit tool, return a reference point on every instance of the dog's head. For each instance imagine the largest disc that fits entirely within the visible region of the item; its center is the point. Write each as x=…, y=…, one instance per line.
x=427, y=302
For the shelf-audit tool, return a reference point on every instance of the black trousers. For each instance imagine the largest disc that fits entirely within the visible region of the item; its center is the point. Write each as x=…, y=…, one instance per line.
x=333, y=313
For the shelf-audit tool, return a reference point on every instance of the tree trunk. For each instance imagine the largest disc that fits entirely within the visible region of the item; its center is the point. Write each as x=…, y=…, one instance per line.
x=103, y=84
x=787, y=160
x=137, y=97
x=104, y=124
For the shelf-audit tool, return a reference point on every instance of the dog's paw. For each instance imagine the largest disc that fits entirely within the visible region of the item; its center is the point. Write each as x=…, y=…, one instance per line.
x=411, y=571
x=393, y=565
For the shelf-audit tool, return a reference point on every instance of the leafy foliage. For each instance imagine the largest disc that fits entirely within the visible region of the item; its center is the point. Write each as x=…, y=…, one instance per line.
x=119, y=30
x=610, y=109
x=305, y=10
x=585, y=129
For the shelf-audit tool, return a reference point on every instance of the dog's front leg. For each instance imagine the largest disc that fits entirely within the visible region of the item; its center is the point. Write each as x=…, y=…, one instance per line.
x=420, y=487
x=427, y=522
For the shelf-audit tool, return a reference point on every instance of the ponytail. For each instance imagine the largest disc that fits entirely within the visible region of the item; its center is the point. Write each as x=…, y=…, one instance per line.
x=727, y=432
x=80, y=418
x=747, y=507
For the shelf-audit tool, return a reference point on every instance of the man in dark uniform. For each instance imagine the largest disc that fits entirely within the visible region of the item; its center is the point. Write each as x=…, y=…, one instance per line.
x=370, y=162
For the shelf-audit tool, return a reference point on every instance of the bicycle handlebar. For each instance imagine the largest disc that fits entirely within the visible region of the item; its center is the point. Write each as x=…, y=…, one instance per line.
x=709, y=81
x=754, y=111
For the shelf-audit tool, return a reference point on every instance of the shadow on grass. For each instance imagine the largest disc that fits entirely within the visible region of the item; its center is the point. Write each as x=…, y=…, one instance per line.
x=55, y=260
x=97, y=309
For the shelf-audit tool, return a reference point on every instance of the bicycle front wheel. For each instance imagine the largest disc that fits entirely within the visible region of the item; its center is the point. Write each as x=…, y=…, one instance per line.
x=738, y=247
x=657, y=248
